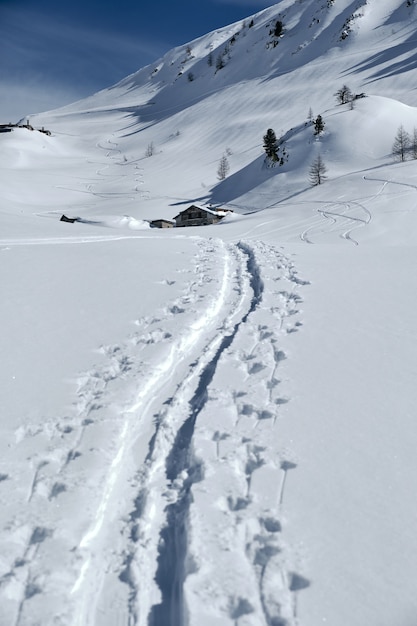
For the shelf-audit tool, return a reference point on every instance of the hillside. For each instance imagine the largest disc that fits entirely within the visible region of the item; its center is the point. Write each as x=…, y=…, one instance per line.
x=215, y=425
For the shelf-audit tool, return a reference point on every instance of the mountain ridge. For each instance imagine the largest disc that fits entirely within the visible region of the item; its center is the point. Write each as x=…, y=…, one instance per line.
x=219, y=93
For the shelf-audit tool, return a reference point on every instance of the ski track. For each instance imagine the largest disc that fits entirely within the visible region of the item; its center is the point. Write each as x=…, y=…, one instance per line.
x=147, y=463
x=116, y=167
x=350, y=221
x=339, y=221
x=238, y=432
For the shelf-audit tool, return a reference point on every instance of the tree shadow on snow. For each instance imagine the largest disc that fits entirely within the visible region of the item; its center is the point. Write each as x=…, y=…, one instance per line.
x=243, y=181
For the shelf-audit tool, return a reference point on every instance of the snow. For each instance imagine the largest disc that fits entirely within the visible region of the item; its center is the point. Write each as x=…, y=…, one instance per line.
x=215, y=425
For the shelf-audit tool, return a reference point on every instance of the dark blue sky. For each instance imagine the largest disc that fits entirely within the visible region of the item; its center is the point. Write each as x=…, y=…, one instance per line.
x=53, y=52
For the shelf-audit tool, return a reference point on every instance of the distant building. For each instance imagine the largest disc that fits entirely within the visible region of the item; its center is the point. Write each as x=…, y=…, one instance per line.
x=199, y=216
x=7, y=128
x=161, y=223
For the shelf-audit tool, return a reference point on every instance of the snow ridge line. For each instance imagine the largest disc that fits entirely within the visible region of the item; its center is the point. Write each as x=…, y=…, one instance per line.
x=181, y=350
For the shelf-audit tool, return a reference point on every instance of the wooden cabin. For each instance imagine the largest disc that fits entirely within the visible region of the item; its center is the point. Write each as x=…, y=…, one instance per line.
x=199, y=216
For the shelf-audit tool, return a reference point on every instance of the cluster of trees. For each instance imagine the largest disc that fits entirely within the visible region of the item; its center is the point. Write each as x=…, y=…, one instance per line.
x=275, y=149
x=276, y=32
x=225, y=53
x=318, y=169
x=404, y=147
x=276, y=153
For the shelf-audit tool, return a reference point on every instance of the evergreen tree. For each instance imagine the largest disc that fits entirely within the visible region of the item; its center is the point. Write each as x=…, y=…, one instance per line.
x=401, y=144
x=278, y=28
x=271, y=145
x=317, y=173
x=318, y=125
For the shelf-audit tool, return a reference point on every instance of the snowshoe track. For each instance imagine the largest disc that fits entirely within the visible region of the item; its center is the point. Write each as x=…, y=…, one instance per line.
x=169, y=443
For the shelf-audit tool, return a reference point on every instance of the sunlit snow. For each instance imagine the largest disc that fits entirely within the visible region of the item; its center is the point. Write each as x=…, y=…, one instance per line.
x=215, y=426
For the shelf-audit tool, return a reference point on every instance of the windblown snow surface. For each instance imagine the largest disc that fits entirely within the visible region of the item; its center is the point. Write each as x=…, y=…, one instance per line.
x=216, y=426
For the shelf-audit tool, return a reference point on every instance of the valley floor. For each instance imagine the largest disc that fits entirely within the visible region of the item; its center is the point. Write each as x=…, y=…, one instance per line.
x=225, y=437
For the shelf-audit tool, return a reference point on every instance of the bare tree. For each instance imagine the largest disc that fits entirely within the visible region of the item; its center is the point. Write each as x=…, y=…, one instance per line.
x=401, y=144
x=223, y=168
x=344, y=95
x=317, y=172
x=150, y=150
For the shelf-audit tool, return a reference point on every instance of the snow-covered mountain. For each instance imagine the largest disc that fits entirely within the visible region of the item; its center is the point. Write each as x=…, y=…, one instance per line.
x=215, y=426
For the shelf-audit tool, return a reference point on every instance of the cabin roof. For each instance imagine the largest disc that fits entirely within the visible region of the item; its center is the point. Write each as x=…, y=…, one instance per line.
x=218, y=212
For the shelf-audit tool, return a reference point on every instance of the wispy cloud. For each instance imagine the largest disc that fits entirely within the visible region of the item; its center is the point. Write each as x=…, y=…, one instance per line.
x=21, y=100
x=33, y=37
x=50, y=62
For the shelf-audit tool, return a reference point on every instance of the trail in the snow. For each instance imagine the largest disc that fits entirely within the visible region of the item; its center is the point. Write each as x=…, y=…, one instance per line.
x=389, y=182
x=237, y=506
x=95, y=455
x=341, y=222
x=174, y=421
x=180, y=462
x=210, y=391
x=192, y=349
x=263, y=558
x=116, y=168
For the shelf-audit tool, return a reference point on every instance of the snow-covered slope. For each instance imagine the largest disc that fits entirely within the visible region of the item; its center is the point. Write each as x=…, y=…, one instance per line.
x=215, y=425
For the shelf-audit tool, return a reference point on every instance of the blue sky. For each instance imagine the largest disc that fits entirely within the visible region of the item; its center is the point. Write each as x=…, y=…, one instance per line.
x=53, y=52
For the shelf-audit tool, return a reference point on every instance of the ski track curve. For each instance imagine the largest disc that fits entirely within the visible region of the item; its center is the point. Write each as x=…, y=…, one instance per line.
x=339, y=220
x=116, y=167
x=193, y=453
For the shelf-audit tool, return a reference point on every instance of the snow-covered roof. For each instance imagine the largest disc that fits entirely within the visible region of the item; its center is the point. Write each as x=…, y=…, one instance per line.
x=211, y=211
